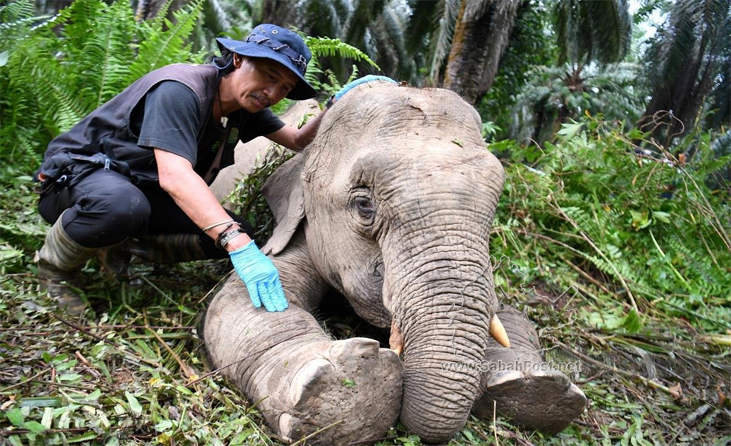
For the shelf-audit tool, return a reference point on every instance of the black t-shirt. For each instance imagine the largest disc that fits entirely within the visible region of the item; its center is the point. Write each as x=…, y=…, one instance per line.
x=168, y=119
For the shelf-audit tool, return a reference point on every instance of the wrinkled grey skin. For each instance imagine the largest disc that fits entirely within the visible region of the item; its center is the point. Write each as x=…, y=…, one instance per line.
x=391, y=206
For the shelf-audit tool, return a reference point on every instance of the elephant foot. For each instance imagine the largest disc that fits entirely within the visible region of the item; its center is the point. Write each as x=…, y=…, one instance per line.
x=523, y=387
x=539, y=400
x=349, y=390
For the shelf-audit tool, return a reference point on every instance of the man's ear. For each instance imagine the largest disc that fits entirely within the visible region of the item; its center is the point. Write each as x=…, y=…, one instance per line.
x=283, y=191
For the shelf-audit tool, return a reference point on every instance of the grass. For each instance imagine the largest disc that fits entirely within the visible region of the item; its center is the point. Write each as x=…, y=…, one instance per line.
x=133, y=371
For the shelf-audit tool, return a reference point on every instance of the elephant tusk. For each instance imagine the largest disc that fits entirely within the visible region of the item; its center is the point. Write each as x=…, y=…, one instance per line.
x=396, y=340
x=497, y=331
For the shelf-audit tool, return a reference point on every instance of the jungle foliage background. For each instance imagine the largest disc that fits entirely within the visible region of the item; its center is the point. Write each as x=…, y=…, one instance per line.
x=611, y=118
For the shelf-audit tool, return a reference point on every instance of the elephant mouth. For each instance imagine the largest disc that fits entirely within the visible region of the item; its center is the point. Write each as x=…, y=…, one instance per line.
x=496, y=330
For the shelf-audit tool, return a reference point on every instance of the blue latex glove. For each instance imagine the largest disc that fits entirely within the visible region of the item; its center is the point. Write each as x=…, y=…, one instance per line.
x=362, y=80
x=260, y=277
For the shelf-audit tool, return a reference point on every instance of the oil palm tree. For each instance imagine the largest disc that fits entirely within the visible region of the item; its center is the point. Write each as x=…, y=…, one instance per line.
x=685, y=62
x=592, y=30
x=554, y=95
x=591, y=38
x=586, y=31
x=481, y=34
x=720, y=103
x=378, y=27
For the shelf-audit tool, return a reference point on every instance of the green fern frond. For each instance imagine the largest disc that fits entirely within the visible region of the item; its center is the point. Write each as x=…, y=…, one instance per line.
x=16, y=18
x=160, y=17
x=65, y=109
x=57, y=72
x=14, y=11
x=55, y=97
x=106, y=55
x=326, y=47
x=614, y=269
x=159, y=48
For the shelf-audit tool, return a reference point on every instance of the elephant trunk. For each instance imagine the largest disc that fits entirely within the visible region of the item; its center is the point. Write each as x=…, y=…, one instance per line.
x=443, y=319
x=438, y=284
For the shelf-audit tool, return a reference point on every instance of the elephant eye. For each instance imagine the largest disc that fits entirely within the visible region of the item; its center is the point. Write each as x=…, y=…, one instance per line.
x=364, y=206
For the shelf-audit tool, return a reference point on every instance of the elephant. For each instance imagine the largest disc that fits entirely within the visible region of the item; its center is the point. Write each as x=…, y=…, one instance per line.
x=391, y=207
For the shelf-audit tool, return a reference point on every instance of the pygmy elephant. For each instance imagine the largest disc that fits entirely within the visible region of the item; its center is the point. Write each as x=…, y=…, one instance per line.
x=391, y=206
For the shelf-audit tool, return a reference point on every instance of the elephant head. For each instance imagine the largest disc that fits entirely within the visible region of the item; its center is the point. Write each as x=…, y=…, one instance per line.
x=396, y=196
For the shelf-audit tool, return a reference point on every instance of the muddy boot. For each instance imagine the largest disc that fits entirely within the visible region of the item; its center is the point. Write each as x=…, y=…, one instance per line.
x=114, y=261
x=527, y=391
x=59, y=262
x=160, y=248
x=167, y=248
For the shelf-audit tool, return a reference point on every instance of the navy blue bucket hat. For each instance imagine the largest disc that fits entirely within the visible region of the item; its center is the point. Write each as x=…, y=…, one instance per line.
x=278, y=44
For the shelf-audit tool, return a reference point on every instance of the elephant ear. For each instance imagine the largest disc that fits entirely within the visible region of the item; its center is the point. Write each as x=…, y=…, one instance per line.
x=284, y=194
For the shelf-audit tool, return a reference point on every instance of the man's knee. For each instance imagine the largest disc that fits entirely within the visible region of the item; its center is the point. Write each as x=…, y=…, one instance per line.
x=127, y=209
x=107, y=216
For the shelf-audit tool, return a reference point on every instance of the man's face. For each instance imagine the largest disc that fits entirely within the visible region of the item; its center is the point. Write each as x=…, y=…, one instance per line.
x=259, y=83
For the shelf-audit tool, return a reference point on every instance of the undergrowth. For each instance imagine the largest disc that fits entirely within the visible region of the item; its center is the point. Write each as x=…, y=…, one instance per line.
x=639, y=226
x=619, y=255
x=50, y=83
x=132, y=372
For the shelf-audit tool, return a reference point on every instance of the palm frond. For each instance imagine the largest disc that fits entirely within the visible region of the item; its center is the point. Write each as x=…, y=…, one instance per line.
x=385, y=49
x=420, y=25
x=445, y=19
x=566, y=15
x=684, y=60
x=361, y=17
x=392, y=23
x=323, y=17
x=611, y=28
x=589, y=30
x=216, y=17
x=547, y=100
x=720, y=97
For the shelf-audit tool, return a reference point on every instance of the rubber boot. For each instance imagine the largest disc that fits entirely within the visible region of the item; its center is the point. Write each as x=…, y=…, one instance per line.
x=59, y=262
x=521, y=385
x=167, y=248
x=114, y=261
x=160, y=248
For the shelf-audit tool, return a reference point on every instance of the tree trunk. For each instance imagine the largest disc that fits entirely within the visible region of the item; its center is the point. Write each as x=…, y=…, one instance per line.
x=682, y=96
x=279, y=12
x=149, y=9
x=480, y=37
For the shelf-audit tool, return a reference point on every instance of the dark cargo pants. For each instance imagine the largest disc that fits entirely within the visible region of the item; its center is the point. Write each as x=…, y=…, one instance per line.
x=105, y=208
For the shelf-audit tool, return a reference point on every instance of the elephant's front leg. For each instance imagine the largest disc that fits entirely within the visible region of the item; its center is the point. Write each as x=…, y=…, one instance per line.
x=521, y=385
x=303, y=380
